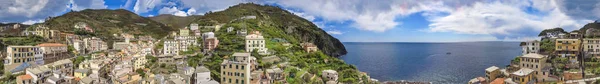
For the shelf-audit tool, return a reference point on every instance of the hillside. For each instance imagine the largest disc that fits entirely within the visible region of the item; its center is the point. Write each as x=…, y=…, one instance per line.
x=275, y=22
x=591, y=30
x=105, y=23
x=174, y=21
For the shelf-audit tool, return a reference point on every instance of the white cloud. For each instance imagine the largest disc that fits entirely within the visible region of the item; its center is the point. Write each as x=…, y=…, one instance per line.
x=143, y=6
x=335, y=32
x=502, y=20
x=23, y=10
x=367, y=15
x=303, y=15
x=87, y=4
x=30, y=22
x=173, y=11
x=191, y=11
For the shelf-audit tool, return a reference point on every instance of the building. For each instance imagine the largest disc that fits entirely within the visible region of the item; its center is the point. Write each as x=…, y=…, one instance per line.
x=202, y=76
x=210, y=41
x=64, y=67
x=193, y=26
x=171, y=47
x=236, y=70
x=591, y=47
x=492, y=73
x=94, y=44
x=184, y=32
x=537, y=63
x=568, y=48
x=25, y=79
x=523, y=76
x=329, y=75
x=81, y=73
x=242, y=32
x=530, y=47
x=255, y=41
x=230, y=29
x=39, y=74
x=309, y=47
x=139, y=62
x=276, y=74
x=21, y=54
x=54, y=52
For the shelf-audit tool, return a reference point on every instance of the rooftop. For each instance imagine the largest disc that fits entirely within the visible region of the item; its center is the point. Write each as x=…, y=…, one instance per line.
x=25, y=77
x=498, y=81
x=241, y=54
x=52, y=45
x=533, y=55
x=523, y=72
x=330, y=71
x=491, y=69
x=274, y=70
x=200, y=69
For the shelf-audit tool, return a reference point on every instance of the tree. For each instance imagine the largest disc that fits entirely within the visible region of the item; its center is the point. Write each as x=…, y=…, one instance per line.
x=547, y=46
x=78, y=60
x=141, y=72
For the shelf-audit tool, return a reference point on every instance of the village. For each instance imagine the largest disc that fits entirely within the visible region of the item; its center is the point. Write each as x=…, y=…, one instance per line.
x=558, y=57
x=186, y=56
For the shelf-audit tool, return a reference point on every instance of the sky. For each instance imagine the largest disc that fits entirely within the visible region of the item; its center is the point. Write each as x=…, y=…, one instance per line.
x=363, y=20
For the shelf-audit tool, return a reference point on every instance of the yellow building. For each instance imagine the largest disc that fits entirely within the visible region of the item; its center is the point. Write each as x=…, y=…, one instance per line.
x=81, y=73
x=591, y=46
x=536, y=62
x=139, y=62
x=492, y=72
x=20, y=54
x=523, y=76
x=567, y=48
x=184, y=32
x=237, y=69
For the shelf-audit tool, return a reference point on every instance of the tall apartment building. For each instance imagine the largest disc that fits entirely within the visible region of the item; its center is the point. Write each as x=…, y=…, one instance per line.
x=567, y=48
x=255, y=41
x=170, y=47
x=210, y=41
x=21, y=54
x=591, y=46
x=236, y=70
x=54, y=52
x=530, y=47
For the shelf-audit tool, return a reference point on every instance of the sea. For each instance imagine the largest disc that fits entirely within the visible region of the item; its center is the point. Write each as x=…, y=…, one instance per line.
x=439, y=63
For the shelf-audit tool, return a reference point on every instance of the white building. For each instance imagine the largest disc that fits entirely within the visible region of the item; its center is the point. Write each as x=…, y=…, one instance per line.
x=171, y=47
x=330, y=75
x=255, y=41
x=202, y=76
x=591, y=47
x=193, y=26
x=530, y=47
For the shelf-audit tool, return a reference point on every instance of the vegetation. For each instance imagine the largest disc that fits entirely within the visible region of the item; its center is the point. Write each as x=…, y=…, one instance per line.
x=547, y=46
x=106, y=22
x=78, y=60
x=28, y=40
x=194, y=61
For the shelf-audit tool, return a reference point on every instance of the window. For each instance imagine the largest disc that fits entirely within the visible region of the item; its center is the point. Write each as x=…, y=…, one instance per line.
x=242, y=67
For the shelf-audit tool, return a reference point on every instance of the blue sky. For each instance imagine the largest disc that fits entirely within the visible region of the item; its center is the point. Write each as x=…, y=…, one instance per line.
x=363, y=20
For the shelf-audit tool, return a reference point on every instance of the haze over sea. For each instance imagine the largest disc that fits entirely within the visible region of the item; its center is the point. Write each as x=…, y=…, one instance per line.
x=432, y=62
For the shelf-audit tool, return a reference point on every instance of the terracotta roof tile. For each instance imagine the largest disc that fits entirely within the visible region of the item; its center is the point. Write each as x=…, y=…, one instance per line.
x=51, y=45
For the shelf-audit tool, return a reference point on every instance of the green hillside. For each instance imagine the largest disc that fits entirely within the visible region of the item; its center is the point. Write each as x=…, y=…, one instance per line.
x=175, y=21
x=275, y=22
x=105, y=23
